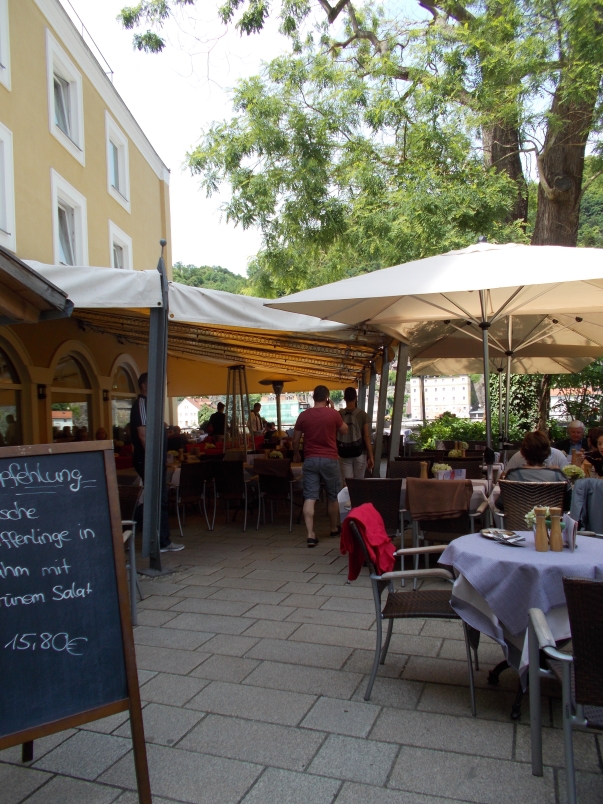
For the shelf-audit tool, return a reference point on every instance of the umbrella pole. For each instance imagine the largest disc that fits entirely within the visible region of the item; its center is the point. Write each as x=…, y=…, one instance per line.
x=382, y=404
x=509, y=354
x=500, y=410
x=485, y=326
x=398, y=411
x=370, y=408
x=423, y=411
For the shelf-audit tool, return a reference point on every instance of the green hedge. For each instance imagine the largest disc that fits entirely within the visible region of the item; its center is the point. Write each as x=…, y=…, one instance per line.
x=449, y=428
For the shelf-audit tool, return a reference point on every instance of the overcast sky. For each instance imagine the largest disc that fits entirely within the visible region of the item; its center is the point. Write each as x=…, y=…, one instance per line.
x=173, y=96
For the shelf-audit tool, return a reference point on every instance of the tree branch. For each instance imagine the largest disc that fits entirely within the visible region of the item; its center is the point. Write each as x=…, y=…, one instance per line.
x=333, y=12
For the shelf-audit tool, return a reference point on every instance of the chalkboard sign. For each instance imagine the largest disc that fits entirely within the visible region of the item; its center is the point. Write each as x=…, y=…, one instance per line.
x=66, y=646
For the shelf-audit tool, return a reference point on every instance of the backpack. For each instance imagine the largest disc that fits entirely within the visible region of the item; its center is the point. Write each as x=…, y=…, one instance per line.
x=350, y=445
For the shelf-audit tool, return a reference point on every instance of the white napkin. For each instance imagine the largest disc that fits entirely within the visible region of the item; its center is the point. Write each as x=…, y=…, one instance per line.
x=569, y=532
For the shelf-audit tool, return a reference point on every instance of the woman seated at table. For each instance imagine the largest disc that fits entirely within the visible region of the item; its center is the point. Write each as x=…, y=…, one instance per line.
x=594, y=459
x=535, y=450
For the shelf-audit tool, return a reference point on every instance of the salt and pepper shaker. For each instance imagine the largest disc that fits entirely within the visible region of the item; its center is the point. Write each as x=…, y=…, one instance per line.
x=556, y=539
x=541, y=539
x=424, y=475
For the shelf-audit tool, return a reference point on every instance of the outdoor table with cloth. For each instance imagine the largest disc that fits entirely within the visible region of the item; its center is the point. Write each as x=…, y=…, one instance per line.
x=496, y=585
x=477, y=498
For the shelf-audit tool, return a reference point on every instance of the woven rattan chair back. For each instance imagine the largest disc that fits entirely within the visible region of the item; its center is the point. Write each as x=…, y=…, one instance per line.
x=274, y=477
x=472, y=466
x=230, y=479
x=585, y=608
x=519, y=497
x=404, y=468
x=383, y=493
x=128, y=500
x=191, y=481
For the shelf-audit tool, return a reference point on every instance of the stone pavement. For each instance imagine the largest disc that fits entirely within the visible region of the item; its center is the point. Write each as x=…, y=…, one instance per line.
x=253, y=659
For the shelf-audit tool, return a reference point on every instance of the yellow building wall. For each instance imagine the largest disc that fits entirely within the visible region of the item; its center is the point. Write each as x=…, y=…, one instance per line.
x=24, y=110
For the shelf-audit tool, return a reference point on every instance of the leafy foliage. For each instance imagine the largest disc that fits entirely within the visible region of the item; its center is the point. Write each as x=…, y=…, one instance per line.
x=208, y=276
x=581, y=394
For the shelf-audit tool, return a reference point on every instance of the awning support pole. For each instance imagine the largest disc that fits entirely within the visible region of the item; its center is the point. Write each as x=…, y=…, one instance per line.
x=362, y=393
x=509, y=354
x=381, y=406
x=399, y=393
x=154, y=468
x=485, y=326
x=423, y=409
x=500, y=409
x=370, y=407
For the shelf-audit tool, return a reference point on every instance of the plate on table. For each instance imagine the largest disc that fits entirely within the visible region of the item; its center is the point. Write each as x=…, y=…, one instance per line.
x=498, y=534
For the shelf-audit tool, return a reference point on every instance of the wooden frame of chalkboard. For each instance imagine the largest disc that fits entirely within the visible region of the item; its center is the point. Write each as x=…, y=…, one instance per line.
x=131, y=701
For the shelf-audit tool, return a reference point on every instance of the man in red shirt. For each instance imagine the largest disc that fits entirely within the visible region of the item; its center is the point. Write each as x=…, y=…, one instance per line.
x=320, y=426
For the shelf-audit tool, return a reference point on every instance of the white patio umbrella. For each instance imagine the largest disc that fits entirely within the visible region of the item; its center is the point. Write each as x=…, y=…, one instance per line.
x=481, y=284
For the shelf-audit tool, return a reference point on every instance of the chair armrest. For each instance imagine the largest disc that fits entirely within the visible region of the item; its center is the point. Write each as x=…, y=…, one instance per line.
x=480, y=510
x=425, y=573
x=413, y=551
x=546, y=641
x=127, y=534
x=128, y=521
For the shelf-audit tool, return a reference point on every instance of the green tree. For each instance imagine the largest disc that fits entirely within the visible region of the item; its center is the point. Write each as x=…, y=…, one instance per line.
x=382, y=125
x=581, y=395
x=208, y=276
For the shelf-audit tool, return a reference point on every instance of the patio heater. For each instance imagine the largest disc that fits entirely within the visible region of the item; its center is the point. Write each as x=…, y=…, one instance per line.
x=238, y=412
x=277, y=387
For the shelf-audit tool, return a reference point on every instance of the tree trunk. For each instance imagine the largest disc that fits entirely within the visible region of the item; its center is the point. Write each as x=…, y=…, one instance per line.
x=561, y=169
x=544, y=401
x=501, y=152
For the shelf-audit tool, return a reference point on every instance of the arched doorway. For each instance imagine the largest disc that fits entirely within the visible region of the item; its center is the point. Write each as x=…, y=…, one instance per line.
x=71, y=401
x=123, y=394
x=10, y=403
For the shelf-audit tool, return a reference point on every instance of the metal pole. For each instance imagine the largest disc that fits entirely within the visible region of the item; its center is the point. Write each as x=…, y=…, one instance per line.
x=398, y=411
x=423, y=410
x=500, y=410
x=247, y=420
x=509, y=354
x=485, y=326
x=381, y=412
x=362, y=393
x=277, y=387
x=154, y=468
x=370, y=406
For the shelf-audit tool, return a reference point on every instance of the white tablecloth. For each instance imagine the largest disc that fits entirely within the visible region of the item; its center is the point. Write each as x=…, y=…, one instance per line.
x=496, y=585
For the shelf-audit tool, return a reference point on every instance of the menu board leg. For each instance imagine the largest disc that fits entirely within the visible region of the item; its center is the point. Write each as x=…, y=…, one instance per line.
x=27, y=751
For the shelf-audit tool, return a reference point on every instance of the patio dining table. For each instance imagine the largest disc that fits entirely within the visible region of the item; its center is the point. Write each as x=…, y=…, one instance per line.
x=496, y=585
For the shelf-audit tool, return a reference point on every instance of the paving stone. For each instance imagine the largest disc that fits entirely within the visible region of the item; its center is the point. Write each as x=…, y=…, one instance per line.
x=249, y=595
x=170, y=689
x=586, y=756
x=280, y=650
x=229, y=645
x=171, y=637
x=62, y=790
x=354, y=760
x=286, y=787
x=470, y=779
x=391, y=692
x=360, y=605
x=132, y=798
x=589, y=787
x=189, y=777
x=145, y=675
x=263, y=743
x=292, y=588
x=299, y=678
x=105, y=725
x=255, y=703
x=203, y=582
x=167, y=660
x=489, y=654
x=280, y=575
x=209, y=622
x=491, y=704
x=254, y=584
x=153, y=601
x=271, y=629
x=330, y=589
x=230, y=608
x=225, y=668
x=361, y=661
x=305, y=601
x=449, y=671
x=425, y=730
x=164, y=725
x=162, y=588
x=41, y=747
x=345, y=619
x=18, y=782
x=331, y=635
x=281, y=563
x=341, y=717
x=85, y=755
x=353, y=793
x=265, y=612
x=155, y=617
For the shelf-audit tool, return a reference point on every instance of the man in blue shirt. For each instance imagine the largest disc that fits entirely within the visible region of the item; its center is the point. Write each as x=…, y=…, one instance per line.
x=576, y=441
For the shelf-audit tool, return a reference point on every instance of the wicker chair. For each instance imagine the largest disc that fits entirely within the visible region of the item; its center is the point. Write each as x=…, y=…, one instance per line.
x=404, y=468
x=580, y=673
x=384, y=494
x=473, y=466
x=231, y=485
x=275, y=481
x=422, y=604
x=519, y=497
x=129, y=497
x=194, y=478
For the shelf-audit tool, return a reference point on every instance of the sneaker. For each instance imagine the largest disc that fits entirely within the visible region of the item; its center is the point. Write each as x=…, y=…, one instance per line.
x=172, y=547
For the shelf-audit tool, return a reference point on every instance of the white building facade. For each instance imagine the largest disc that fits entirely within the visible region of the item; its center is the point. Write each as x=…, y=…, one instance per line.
x=442, y=394
x=188, y=413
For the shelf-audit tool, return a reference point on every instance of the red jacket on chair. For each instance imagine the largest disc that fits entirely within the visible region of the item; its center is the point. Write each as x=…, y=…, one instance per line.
x=378, y=544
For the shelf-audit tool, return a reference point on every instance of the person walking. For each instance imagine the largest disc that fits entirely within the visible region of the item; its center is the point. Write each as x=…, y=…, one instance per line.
x=319, y=426
x=138, y=432
x=355, y=448
x=257, y=424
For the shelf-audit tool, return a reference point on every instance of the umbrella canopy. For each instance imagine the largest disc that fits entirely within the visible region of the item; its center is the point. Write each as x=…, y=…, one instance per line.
x=482, y=284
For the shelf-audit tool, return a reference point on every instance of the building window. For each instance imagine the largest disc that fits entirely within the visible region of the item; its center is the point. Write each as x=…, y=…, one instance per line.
x=65, y=99
x=7, y=190
x=4, y=45
x=118, y=168
x=10, y=403
x=71, y=398
x=120, y=245
x=70, y=227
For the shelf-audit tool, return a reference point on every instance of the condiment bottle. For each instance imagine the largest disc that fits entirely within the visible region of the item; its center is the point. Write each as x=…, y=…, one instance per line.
x=556, y=538
x=541, y=539
x=424, y=475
